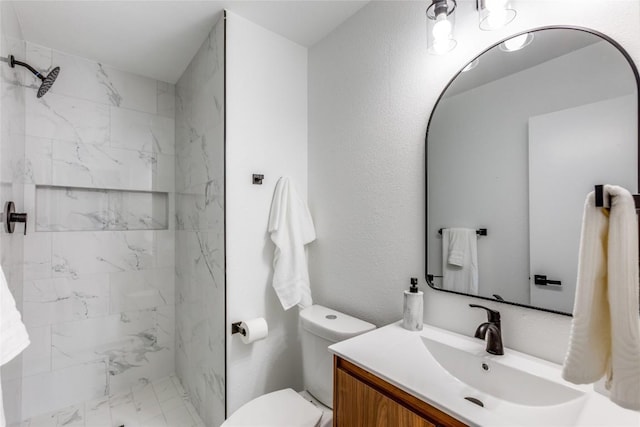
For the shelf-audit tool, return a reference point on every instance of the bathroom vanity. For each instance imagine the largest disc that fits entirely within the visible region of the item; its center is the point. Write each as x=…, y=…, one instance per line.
x=395, y=377
x=362, y=398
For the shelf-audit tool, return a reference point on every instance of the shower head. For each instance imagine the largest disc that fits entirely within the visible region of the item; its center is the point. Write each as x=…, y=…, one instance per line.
x=47, y=81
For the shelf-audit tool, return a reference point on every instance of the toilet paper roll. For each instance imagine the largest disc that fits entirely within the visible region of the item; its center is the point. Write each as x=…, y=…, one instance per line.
x=254, y=330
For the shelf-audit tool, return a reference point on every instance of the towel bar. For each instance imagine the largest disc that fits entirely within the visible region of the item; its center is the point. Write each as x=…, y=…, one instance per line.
x=479, y=232
x=541, y=280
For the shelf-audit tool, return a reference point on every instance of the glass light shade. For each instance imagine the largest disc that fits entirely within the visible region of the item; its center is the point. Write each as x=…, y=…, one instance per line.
x=440, y=26
x=495, y=14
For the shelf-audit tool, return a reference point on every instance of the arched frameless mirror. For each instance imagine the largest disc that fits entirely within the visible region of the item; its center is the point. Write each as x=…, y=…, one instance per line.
x=514, y=144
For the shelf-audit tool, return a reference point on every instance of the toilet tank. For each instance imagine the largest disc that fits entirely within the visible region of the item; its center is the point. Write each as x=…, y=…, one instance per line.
x=322, y=327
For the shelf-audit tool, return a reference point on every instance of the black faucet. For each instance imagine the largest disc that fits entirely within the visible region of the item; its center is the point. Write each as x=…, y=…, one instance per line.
x=490, y=330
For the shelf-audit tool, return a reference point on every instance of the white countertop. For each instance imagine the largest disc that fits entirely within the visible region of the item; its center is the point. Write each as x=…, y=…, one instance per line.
x=399, y=357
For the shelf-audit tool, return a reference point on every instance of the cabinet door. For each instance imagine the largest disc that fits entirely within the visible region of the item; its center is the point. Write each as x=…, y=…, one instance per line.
x=359, y=405
x=361, y=399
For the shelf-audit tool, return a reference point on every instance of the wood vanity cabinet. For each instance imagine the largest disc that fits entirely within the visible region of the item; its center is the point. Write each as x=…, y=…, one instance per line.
x=361, y=399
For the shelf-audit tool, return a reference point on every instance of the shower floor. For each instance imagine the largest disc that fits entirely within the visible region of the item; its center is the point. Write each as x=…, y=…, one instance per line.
x=161, y=403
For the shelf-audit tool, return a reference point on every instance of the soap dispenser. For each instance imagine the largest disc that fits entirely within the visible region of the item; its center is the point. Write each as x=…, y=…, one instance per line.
x=412, y=312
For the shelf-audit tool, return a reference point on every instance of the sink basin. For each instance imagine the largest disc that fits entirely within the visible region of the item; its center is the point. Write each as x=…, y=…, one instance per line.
x=445, y=370
x=467, y=361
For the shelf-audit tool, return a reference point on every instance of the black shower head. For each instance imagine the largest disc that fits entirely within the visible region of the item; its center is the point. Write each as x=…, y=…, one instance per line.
x=47, y=81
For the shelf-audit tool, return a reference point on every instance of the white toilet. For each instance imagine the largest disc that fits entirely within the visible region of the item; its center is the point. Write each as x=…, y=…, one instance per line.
x=321, y=327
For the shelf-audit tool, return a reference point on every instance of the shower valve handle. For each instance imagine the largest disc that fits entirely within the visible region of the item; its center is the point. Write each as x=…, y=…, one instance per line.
x=12, y=217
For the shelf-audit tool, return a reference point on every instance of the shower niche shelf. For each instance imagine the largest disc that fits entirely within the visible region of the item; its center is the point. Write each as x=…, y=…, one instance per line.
x=98, y=209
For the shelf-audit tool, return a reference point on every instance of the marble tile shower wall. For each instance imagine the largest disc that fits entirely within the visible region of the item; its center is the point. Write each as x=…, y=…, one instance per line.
x=98, y=303
x=200, y=251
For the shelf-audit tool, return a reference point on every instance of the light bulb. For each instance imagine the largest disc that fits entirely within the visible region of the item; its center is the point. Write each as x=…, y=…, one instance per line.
x=442, y=28
x=495, y=14
x=440, y=37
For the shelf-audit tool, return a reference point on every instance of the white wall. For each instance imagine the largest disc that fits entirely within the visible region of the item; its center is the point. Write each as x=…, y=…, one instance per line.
x=596, y=143
x=371, y=90
x=266, y=133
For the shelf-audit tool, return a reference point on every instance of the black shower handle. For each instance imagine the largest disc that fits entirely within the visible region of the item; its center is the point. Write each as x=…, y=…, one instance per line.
x=12, y=217
x=19, y=217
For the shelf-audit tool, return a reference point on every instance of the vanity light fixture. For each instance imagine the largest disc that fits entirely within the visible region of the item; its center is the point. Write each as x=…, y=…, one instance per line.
x=440, y=23
x=494, y=14
x=516, y=43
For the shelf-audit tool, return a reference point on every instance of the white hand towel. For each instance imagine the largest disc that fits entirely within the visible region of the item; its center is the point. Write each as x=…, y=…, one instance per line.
x=460, y=260
x=13, y=334
x=605, y=330
x=291, y=228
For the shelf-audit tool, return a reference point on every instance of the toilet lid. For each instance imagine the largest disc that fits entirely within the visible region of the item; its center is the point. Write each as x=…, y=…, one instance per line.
x=276, y=409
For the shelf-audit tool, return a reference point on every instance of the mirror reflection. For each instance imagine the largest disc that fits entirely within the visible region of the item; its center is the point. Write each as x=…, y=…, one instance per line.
x=515, y=143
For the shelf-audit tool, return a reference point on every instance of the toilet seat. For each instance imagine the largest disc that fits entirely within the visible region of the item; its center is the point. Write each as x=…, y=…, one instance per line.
x=276, y=409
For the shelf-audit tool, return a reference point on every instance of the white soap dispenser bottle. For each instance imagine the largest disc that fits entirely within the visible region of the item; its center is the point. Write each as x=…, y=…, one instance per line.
x=412, y=313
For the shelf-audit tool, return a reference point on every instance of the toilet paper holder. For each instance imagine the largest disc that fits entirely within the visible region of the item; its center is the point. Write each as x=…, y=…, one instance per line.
x=236, y=328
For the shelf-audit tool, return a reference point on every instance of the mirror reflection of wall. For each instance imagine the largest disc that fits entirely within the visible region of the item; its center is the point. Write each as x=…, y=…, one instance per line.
x=563, y=150
x=515, y=144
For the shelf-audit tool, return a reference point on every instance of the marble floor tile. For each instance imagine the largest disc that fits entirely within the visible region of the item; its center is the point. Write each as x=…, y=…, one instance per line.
x=143, y=392
x=165, y=389
x=47, y=420
x=72, y=416
x=148, y=409
x=137, y=407
x=180, y=416
x=158, y=421
x=98, y=413
x=194, y=414
x=123, y=409
x=171, y=404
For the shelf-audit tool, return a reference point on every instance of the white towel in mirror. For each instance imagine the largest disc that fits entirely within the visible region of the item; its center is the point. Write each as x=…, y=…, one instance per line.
x=460, y=260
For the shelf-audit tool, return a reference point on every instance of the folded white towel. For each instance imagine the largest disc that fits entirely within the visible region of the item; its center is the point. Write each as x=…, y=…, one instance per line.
x=605, y=330
x=460, y=260
x=291, y=228
x=13, y=334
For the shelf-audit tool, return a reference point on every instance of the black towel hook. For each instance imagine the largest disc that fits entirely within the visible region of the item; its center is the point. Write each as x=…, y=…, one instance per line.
x=605, y=202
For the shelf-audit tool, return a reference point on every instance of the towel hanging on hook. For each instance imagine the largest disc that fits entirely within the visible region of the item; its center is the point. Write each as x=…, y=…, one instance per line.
x=605, y=202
